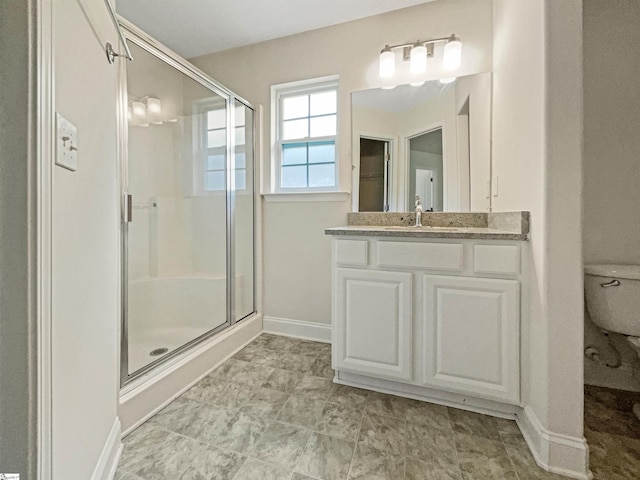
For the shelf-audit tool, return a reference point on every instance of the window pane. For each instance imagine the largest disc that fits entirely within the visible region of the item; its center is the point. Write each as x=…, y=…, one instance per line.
x=323, y=126
x=294, y=177
x=216, y=118
x=216, y=138
x=295, y=107
x=322, y=175
x=241, y=160
x=322, y=152
x=240, y=139
x=241, y=179
x=215, y=181
x=324, y=102
x=294, y=154
x=295, y=129
x=216, y=162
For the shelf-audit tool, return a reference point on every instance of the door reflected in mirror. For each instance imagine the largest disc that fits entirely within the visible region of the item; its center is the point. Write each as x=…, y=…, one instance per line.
x=431, y=140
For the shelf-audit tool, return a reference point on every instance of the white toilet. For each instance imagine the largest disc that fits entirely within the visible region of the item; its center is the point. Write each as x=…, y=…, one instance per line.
x=613, y=301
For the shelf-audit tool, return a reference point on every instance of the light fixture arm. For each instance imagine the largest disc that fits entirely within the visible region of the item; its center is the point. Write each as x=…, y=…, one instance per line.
x=426, y=43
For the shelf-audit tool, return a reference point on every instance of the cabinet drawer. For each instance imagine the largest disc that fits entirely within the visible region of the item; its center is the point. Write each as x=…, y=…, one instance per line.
x=436, y=256
x=501, y=259
x=352, y=252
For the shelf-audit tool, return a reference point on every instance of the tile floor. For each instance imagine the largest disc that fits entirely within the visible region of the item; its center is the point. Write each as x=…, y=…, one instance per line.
x=272, y=413
x=612, y=432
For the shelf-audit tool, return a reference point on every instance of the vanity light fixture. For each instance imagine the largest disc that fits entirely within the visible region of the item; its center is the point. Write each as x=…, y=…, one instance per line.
x=418, y=57
x=387, y=62
x=452, y=53
x=417, y=54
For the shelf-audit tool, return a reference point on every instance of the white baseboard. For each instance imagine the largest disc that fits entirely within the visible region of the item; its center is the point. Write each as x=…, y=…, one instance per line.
x=426, y=394
x=149, y=395
x=297, y=328
x=556, y=453
x=110, y=456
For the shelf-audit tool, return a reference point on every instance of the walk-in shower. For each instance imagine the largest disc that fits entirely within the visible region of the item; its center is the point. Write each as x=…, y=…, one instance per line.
x=188, y=207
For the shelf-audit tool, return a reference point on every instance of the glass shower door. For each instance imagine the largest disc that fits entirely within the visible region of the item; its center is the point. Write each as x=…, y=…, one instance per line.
x=175, y=234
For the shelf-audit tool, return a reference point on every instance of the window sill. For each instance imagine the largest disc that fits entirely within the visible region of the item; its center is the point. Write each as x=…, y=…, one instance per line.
x=293, y=197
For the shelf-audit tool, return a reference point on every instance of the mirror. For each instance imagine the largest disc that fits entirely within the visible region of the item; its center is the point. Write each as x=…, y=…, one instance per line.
x=433, y=140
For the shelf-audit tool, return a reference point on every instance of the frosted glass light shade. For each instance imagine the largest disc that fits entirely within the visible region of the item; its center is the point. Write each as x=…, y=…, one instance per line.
x=153, y=106
x=452, y=54
x=387, y=64
x=139, y=110
x=418, y=59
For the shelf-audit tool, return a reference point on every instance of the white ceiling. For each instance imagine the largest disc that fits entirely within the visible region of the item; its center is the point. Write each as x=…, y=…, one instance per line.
x=197, y=27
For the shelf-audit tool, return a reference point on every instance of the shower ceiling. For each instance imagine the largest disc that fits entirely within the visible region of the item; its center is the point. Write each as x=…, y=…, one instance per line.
x=197, y=27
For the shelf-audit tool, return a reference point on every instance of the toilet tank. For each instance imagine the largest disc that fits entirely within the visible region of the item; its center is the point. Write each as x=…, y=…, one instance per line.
x=613, y=297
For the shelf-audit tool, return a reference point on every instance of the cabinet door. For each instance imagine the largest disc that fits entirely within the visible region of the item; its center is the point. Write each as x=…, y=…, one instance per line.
x=372, y=322
x=471, y=336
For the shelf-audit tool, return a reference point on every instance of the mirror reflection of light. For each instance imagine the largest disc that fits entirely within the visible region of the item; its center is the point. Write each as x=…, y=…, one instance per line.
x=139, y=110
x=153, y=106
x=444, y=81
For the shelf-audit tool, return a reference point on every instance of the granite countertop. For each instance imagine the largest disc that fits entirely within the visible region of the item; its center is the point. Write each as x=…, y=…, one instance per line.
x=482, y=226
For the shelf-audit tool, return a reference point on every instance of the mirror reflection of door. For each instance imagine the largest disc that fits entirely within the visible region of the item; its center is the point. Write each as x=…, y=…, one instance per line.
x=426, y=170
x=425, y=188
x=374, y=179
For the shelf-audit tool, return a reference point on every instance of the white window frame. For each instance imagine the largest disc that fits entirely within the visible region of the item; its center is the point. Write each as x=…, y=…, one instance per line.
x=278, y=93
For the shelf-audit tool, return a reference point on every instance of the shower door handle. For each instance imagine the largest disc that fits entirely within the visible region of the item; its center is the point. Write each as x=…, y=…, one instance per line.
x=128, y=208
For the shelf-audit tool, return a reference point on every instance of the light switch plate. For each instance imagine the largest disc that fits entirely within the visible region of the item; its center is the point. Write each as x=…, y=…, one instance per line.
x=66, y=144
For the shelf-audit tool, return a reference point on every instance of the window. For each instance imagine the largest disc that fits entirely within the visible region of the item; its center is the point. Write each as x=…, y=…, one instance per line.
x=307, y=121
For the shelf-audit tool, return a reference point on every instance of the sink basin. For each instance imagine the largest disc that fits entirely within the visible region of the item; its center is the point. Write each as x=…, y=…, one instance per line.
x=421, y=229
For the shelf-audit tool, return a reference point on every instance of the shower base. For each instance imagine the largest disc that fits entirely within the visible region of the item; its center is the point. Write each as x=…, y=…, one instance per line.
x=142, y=344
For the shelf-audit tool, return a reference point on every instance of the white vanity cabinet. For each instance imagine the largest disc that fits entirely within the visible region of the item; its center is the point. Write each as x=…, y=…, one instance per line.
x=442, y=314
x=471, y=335
x=373, y=322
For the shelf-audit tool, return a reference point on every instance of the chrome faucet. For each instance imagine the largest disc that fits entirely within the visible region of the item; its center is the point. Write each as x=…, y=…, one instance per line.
x=418, y=211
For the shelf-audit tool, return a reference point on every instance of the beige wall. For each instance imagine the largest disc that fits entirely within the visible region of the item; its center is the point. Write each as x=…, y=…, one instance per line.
x=297, y=253
x=537, y=135
x=611, y=150
x=85, y=243
x=17, y=236
x=611, y=139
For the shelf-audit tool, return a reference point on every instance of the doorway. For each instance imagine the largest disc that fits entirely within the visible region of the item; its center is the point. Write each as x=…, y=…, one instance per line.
x=373, y=192
x=426, y=170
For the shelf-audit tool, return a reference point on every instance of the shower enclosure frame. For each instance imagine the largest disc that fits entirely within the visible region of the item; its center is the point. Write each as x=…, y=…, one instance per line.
x=163, y=53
